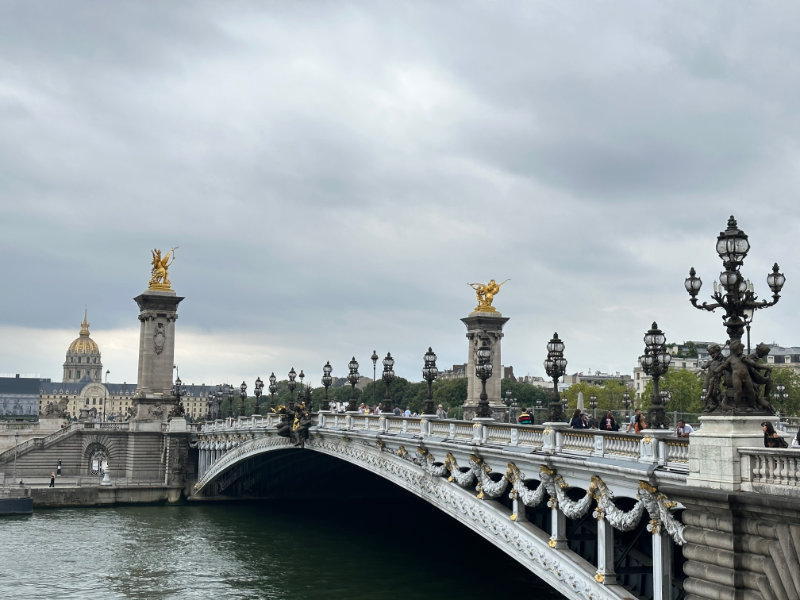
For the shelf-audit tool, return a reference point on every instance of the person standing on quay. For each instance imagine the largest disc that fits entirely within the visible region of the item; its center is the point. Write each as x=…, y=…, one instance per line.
x=53, y=479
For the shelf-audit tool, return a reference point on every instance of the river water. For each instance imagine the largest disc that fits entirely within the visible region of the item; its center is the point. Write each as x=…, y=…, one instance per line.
x=404, y=550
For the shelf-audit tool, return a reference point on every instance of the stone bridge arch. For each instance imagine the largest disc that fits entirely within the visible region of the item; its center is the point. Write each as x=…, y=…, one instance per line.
x=501, y=525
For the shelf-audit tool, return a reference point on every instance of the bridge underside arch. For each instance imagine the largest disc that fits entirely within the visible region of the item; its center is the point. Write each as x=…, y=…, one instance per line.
x=271, y=468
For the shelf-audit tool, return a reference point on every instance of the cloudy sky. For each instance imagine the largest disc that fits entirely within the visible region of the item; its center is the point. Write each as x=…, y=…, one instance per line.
x=335, y=173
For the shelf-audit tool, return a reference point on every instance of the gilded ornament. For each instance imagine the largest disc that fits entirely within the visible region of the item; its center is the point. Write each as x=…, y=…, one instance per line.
x=552, y=543
x=159, y=276
x=485, y=294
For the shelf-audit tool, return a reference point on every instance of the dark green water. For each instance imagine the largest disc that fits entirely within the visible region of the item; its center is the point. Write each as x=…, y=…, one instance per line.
x=378, y=550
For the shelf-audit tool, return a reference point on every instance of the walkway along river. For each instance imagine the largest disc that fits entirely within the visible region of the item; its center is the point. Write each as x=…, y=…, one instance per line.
x=272, y=549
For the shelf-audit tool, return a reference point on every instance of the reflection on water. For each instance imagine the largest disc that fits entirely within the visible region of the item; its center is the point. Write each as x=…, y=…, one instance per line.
x=377, y=550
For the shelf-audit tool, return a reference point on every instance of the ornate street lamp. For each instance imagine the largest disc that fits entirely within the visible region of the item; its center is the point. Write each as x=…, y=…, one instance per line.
x=388, y=377
x=511, y=403
x=273, y=387
x=374, y=358
x=734, y=294
x=352, y=379
x=555, y=365
x=301, y=394
x=429, y=373
x=258, y=389
x=326, y=382
x=655, y=363
x=626, y=402
x=780, y=395
x=242, y=397
x=538, y=409
x=292, y=384
x=178, y=390
x=229, y=392
x=483, y=371
x=593, y=405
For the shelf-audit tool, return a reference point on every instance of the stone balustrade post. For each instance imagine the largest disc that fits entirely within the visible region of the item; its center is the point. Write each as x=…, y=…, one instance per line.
x=652, y=447
x=558, y=539
x=552, y=436
x=605, y=552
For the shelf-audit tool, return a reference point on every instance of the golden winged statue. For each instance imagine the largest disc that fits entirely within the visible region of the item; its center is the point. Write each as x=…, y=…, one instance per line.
x=485, y=294
x=159, y=276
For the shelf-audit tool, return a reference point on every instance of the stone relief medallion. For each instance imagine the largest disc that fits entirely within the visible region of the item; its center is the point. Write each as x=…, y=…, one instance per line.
x=159, y=337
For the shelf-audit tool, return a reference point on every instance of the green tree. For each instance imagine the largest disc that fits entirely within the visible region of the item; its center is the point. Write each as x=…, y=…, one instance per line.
x=685, y=388
x=450, y=393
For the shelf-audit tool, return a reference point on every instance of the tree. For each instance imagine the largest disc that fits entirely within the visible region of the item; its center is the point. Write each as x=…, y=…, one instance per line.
x=685, y=388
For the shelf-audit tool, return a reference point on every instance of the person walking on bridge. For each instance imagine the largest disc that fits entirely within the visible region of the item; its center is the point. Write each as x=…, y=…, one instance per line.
x=525, y=417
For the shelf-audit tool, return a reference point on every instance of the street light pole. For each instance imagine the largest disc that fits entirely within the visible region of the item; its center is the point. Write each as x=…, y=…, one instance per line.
x=352, y=378
x=734, y=294
x=555, y=365
x=655, y=363
x=429, y=373
x=388, y=377
x=483, y=370
x=374, y=359
x=326, y=382
x=292, y=384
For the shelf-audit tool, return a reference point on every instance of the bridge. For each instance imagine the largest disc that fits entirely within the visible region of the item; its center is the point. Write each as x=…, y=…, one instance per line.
x=596, y=515
x=549, y=496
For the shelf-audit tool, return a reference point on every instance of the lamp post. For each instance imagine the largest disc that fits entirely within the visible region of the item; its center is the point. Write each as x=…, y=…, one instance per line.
x=483, y=370
x=655, y=363
x=538, y=409
x=555, y=365
x=326, y=382
x=593, y=405
x=626, y=402
x=352, y=378
x=273, y=387
x=229, y=389
x=258, y=389
x=301, y=394
x=780, y=395
x=292, y=384
x=178, y=391
x=242, y=397
x=429, y=373
x=511, y=403
x=374, y=359
x=734, y=294
x=388, y=377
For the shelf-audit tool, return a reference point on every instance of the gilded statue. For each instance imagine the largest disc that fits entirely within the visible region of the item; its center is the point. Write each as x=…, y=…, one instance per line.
x=485, y=294
x=159, y=276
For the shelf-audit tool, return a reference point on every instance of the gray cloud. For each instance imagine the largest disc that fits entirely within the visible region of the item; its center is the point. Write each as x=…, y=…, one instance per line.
x=334, y=174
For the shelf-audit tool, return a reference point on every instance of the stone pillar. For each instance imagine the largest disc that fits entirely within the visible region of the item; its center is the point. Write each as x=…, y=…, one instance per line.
x=605, y=552
x=714, y=460
x=158, y=312
x=662, y=565
x=489, y=326
x=558, y=539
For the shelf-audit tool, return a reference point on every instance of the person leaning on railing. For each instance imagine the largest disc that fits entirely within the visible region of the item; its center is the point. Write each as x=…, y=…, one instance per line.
x=772, y=439
x=524, y=417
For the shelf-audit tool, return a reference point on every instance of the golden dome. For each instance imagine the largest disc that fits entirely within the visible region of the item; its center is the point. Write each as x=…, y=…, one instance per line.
x=83, y=344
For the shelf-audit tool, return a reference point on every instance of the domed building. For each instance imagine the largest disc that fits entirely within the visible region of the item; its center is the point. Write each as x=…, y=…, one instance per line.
x=83, y=358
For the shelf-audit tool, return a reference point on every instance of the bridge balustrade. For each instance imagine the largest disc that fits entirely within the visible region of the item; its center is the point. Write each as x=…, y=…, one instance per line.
x=764, y=468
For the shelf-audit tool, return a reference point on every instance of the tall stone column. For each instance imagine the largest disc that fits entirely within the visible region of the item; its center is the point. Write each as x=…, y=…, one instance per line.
x=158, y=312
x=484, y=326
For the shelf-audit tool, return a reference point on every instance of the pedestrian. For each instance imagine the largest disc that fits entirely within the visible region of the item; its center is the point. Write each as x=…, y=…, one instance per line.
x=639, y=424
x=407, y=412
x=637, y=413
x=772, y=439
x=609, y=423
x=52, y=479
x=525, y=417
x=796, y=440
x=441, y=413
x=577, y=421
x=397, y=412
x=683, y=429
